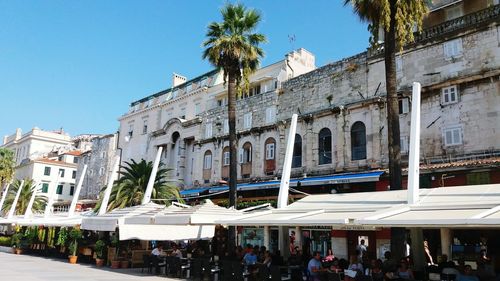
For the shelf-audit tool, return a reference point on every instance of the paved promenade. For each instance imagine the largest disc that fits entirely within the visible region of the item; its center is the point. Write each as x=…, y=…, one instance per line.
x=30, y=268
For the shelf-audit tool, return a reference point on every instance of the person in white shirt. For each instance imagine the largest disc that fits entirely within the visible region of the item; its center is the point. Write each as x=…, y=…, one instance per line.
x=176, y=252
x=158, y=251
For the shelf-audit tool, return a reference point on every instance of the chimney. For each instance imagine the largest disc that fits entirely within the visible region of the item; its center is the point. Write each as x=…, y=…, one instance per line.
x=177, y=79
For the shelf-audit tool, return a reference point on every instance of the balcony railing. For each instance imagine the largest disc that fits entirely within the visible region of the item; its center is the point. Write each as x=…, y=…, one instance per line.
x=467, y=21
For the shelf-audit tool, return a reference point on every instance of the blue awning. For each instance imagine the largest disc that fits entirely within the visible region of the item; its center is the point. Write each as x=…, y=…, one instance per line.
x=310, y=181
x=192, y=192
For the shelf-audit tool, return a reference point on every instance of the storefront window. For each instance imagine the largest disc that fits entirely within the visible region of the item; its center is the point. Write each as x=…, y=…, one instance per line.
x=317, y=240
x=252, y=236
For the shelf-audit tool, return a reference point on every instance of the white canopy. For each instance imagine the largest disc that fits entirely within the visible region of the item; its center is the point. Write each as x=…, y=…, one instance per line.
x=166, y=232
x=176, y=223
x=110, y=221
x=462, y=206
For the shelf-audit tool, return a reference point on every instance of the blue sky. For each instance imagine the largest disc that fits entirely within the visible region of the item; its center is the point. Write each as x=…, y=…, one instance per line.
x=79, y=64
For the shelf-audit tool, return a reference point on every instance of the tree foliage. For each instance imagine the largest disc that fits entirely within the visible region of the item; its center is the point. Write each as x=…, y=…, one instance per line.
x=7, y=165
x=130, y=188
x=27, y=190
x=232, y=45
x=408, y=14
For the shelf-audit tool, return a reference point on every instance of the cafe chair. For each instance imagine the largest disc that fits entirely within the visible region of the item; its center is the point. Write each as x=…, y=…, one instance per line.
x=276, y=274
x=147, y=262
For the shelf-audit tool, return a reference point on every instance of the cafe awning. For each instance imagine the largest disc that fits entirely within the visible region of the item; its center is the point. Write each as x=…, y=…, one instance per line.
x=166, y=232
x=462, y=206
x=111, y=220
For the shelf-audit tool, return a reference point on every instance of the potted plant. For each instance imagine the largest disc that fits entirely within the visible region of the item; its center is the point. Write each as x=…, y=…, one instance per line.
x=62, y=239
x=124, y=262
x=17, y=243
x=115, y=242
x=75, y=235
x=100, y=246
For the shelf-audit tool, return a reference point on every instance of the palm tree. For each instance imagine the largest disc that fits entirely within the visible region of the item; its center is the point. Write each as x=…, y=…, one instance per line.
x=232, y=46
x=7, y=165
x=397, y=18
x=129, y=189
x=27, y=190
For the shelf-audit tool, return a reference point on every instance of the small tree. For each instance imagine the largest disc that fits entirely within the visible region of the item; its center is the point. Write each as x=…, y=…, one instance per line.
x=75, y=235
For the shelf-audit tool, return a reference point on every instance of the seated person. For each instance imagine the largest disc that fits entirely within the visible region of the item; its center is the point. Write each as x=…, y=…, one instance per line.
x=250, y=258
x=467, y=275
x=158, y=251
x=155, y=257
x=176, y=252
x=314, y=267
x=450, y=269
x=404, y=272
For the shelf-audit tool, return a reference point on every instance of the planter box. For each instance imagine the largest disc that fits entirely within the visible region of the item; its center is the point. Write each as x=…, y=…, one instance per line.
x=5, y=249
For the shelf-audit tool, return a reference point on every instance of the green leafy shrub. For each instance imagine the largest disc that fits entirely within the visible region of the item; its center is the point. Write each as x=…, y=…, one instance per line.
x=6, y=241
x=100, y=246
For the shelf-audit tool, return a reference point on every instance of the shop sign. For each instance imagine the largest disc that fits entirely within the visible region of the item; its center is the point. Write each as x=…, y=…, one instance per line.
x=355, y=227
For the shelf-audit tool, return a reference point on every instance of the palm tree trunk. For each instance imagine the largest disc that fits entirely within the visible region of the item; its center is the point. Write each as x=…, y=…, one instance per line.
x=233, y=144
x=398, y=235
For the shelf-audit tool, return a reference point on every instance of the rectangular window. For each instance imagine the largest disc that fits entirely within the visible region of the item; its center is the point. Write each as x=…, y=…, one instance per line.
x=404, y=144
x=247, y=121
x=131, y=130
x=71, y=190
x=478, y=178
x=145, y=127
x=59, y=189
x=75, y=160
x=46, y=172
x=45, y=187
x=61, y=173
x=270, y=115
x=207, y=162
x=208, y=130
x=226, y=126
x=453, y=49
x=454, y=12
x=197, y=109
x=103, y=154
x=270, y=151
x=449, y=95
x=404, y=105
x=73, y=175
x=452, y=136
x=226, y=158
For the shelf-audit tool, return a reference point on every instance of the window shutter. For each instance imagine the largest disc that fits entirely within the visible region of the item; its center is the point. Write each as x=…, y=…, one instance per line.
x=240, y=155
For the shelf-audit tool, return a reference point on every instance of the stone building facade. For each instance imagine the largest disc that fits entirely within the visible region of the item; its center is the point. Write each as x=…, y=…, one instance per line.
x=342, y=111
x=99, y=161
x=190, y=123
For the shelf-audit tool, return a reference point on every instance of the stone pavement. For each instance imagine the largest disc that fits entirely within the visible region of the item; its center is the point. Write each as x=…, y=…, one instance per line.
x=31, y=268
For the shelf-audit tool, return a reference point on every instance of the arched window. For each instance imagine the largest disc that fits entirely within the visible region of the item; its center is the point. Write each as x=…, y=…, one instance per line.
x=358, y=141
x=297, y=152
x=246, y=160
x=270, y=156
x=246, y=153
x=325, y=146
x=207, y=166
x=225, y=163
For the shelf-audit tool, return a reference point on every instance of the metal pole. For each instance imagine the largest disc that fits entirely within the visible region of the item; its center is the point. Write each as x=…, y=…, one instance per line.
x=152, y=177
x=13, y=207
x=28, y=211
x=4, y=195
x=414, y=161
x=51, y=192
x=107, y=193
x=287, y=165
x=72, y=207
